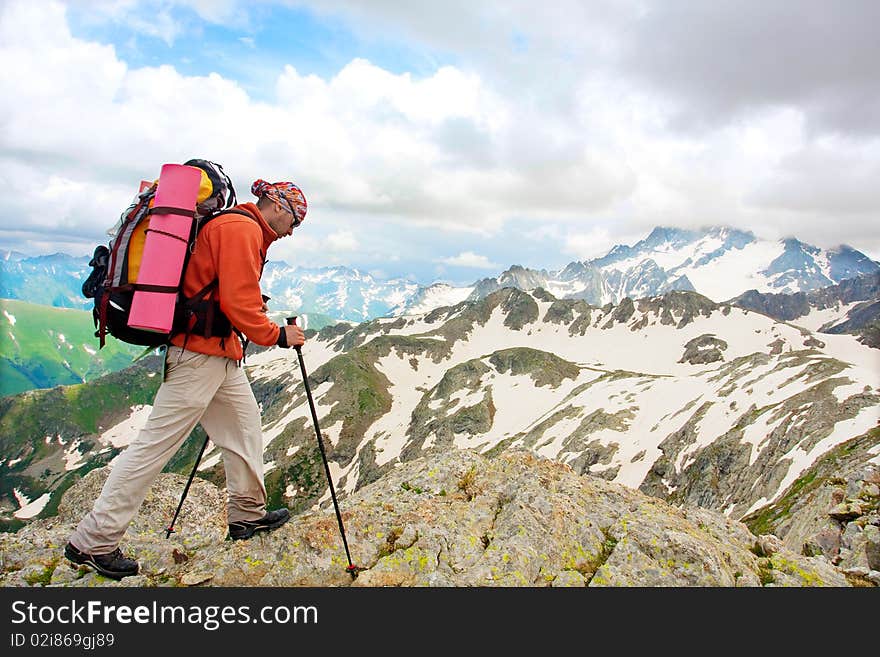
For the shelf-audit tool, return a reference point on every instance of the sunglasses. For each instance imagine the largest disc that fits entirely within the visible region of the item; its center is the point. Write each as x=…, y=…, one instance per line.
x=296, y=220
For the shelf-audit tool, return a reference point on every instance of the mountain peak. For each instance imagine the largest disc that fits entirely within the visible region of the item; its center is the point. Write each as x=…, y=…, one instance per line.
x=667, y=235
x=794, y=245
x=11, y=255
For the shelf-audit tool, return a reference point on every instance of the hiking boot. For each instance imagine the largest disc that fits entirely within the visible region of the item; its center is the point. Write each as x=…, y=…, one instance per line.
x=114, y=565
x=247, y=528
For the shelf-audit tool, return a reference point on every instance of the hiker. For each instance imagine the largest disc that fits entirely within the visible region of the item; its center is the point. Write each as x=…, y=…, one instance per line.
x=204, y=381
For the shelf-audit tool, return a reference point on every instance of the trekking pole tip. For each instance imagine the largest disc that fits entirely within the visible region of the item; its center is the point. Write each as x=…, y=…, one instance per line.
x=353, y=570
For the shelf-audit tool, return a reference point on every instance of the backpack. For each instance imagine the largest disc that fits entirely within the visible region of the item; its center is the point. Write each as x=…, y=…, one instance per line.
x=113, y=279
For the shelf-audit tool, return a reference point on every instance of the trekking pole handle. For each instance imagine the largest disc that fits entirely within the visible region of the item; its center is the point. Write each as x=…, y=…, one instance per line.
x=291, y=321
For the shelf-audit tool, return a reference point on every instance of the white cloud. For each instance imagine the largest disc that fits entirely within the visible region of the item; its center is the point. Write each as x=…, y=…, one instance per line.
x=468, y=259
x=342, y=241
x=443, y=149
x=585, y=246
x=562, y=129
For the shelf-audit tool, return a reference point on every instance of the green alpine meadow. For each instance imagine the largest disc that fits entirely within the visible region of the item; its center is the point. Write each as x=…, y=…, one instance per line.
x=42, y=347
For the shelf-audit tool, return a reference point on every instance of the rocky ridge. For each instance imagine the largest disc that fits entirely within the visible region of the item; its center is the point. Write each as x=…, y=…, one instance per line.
x=452, y=518
x=832, y=510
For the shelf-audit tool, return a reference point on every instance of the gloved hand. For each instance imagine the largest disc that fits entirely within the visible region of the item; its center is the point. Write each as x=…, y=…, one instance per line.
x=290, y=336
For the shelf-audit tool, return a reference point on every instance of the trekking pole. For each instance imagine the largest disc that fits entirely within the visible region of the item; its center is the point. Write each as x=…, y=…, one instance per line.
x=192, y=475
x=352, y=569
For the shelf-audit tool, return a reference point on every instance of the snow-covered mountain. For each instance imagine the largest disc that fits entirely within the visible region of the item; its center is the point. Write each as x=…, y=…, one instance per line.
x=433, y=296
x=720, y=263
x=341, y=293
x=692, y=401
x=49, y=280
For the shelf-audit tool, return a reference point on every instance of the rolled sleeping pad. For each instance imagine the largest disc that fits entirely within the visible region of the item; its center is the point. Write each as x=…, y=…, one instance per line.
x=167, y=240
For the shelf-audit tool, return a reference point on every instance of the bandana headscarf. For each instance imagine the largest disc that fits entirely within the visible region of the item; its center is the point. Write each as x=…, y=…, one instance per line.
x=285, y=191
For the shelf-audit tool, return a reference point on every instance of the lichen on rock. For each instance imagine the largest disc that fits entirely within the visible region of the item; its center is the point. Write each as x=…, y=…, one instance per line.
x=455, y=518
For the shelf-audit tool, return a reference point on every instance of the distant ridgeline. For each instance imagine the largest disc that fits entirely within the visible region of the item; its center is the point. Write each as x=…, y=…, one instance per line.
x=326, y=294
x=787, y=280
x=720, y=263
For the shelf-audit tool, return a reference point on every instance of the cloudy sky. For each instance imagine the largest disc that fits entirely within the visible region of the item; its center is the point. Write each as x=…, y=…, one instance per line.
x=450, y=140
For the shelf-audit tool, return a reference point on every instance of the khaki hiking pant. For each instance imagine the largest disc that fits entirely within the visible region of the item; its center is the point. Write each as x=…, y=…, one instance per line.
x=197, y=388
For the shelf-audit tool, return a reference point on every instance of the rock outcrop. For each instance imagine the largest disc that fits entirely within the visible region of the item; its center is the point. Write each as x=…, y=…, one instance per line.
x=452, y=518
x=833, y=510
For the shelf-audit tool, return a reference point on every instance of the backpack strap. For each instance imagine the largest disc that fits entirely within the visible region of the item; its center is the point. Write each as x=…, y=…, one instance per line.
x=245, y=342
x=213, y=319
x=222, y=212
x=167, y=209
x=102, y=319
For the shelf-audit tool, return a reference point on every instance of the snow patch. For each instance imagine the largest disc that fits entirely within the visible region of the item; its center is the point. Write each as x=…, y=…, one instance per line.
x=844, y=430
x=407, y=388
x=757, y=433
x=875, y=450
x=816, y=319
x=31, y=509
x=757, y=505
x=123, y=433
x=73, y=459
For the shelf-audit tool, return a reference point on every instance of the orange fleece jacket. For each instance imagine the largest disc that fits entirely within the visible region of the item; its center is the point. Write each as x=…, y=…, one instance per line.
x=232, y=248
